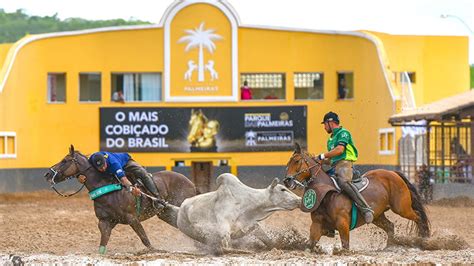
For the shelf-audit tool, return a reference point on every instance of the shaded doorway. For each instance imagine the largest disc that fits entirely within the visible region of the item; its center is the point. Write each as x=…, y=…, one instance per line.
x=202, y=173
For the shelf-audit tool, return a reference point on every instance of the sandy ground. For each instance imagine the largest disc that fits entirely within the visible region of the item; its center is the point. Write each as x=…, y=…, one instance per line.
x=42, y=227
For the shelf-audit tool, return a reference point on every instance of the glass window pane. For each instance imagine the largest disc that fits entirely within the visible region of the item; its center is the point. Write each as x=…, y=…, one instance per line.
x=2, y=145
x=56, y=87
x=262, y=86
x=382, y=141
x=136, y=87
x=90, y=87
x=390, y=141
x=150, y=87
x=10, y=145
x=345, y=85
x=309, y=85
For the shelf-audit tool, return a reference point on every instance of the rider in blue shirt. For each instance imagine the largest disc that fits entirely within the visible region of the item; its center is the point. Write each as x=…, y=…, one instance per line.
x=122, y=165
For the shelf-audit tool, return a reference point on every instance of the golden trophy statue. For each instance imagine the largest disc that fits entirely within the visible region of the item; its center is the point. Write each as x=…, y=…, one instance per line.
x=202, y=132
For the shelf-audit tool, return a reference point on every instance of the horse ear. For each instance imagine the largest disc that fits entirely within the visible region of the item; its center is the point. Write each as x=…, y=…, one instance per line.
x=274, y=182
x=297, y=147
x=192, y=111
x=71, y=150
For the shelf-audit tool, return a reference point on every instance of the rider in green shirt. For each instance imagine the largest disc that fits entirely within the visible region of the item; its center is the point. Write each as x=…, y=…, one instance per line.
x=343, y=153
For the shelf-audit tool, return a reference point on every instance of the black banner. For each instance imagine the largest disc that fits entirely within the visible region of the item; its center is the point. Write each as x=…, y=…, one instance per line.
x=219, y=129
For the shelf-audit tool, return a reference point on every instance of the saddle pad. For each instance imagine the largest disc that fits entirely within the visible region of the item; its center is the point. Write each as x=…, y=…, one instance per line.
x=361, y=183
x=313, y=196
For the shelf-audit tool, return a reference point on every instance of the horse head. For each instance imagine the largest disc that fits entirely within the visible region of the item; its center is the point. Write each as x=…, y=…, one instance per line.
x=298, y=168
x=70, y=166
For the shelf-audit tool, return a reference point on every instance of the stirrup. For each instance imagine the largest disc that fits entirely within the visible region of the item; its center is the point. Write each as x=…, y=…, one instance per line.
x=364, y=209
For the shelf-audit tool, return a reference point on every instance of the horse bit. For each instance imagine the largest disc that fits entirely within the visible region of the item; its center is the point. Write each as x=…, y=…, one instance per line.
x=305, y=183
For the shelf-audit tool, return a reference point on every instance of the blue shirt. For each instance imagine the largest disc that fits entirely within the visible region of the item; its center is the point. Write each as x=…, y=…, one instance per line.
x=115, y=162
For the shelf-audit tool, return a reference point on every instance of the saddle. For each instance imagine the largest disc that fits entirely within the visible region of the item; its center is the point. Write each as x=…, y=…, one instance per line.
x=315, y=193
x=361, y=182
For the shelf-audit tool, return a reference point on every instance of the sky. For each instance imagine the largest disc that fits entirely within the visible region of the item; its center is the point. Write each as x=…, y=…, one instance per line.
x=392, y=16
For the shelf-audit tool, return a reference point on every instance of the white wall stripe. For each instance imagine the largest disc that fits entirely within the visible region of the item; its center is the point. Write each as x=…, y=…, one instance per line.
x=228, y=9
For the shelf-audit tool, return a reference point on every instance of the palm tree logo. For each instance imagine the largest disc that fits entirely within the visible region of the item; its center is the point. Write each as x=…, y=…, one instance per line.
x=199, y=37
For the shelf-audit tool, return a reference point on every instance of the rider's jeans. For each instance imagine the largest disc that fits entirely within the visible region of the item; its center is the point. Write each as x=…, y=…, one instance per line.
x=135, y=170
x=344, y=170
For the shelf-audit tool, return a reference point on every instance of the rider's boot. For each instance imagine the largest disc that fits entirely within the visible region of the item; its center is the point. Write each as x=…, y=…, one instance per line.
x=151, y=186
x=360, y=202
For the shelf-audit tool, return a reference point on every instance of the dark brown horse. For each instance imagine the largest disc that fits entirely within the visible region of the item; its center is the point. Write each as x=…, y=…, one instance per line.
x=387, y=190
x=121, y=207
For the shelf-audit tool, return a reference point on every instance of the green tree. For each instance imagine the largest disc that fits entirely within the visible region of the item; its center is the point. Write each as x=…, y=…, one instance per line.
x=15, y=25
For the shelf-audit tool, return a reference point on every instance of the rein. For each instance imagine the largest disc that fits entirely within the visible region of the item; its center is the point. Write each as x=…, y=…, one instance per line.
x=305, y=182
x=74, y=160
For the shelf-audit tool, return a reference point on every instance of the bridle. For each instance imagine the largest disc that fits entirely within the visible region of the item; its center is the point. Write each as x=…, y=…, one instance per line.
x=304, y=183
x=81, y=172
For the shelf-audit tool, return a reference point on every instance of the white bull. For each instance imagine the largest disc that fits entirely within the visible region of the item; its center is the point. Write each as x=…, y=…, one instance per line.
x=232, y=211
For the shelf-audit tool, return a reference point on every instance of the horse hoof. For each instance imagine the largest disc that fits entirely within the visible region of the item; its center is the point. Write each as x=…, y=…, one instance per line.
x=368, y=217
x=102, y=250
x=318, y=250
x=342, y=251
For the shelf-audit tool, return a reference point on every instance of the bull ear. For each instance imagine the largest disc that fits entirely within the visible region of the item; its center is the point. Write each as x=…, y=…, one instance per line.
x=297, y=147
x=274, y=183
x=71, y=150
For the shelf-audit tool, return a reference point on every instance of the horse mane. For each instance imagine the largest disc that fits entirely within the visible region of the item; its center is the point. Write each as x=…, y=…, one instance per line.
x=84, y=155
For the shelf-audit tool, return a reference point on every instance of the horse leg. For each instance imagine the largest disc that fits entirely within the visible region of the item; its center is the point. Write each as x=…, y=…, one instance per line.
x=105, y=228
x=138, y=228
x=402, y=208
x=315, y=233
x=385, y=224
x=342, y=225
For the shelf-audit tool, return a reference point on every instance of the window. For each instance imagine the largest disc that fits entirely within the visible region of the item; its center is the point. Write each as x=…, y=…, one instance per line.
x=56, y=87
x=136, y=87
x=262, y=86
x=309, y=86
x=345, y=85
x=7, y=144
x=411, y=76
x=400, y=77
x=387, y=141
x=89, y=87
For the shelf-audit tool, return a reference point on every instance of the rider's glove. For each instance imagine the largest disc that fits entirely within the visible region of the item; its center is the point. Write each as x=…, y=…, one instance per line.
x=321, y=157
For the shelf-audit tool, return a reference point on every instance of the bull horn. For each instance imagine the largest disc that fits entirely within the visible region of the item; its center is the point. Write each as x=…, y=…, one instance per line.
x=274, y=182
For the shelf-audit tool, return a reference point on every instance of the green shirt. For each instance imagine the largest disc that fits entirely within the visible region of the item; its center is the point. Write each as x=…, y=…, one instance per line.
x=340, y=136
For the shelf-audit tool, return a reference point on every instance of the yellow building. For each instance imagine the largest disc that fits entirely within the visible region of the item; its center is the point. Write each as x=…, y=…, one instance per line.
x=136, y=89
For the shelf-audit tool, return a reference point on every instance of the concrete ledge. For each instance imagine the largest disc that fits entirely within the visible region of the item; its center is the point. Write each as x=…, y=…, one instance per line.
x=22, y=180
x=452, y=190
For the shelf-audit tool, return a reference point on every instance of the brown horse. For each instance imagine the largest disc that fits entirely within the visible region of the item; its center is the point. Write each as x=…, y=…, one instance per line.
x=121, y=207
x=386, y=190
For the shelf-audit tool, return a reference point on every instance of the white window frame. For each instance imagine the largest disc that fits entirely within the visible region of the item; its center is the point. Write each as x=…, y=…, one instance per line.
x=79, y=87
x=385, y=132
x=137, y=73
x=296, y=87
x=353, y=85
x=48, y=89
x=5, y=135
x=253, y=87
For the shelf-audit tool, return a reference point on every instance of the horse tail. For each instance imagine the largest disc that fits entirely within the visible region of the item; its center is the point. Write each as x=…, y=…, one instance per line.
x=423, y=225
